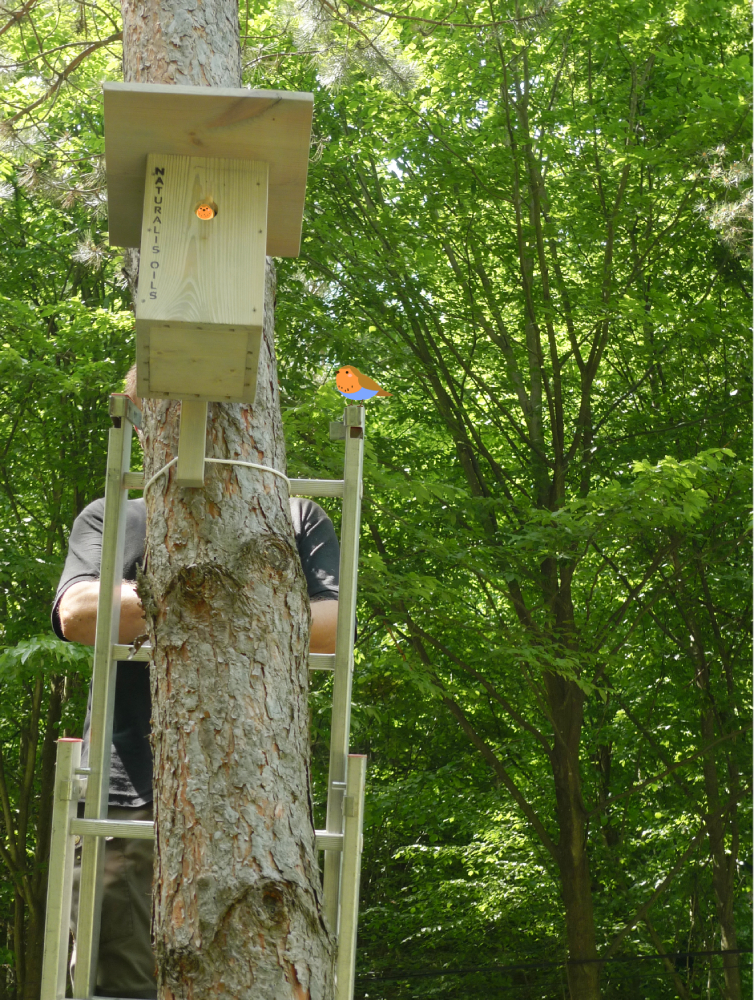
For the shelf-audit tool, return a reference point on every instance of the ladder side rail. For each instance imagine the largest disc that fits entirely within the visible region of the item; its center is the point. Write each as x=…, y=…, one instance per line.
x=103, y=691
x=350, y=876
x=343, y=668
x=60, y=871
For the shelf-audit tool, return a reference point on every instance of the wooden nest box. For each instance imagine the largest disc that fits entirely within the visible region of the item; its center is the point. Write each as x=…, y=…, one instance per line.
x=206, y=182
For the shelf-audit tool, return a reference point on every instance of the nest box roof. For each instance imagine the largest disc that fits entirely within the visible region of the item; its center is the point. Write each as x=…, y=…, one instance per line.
x=273, y=126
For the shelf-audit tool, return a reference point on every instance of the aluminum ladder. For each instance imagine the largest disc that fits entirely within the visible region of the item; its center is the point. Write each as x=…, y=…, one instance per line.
x=341, y=840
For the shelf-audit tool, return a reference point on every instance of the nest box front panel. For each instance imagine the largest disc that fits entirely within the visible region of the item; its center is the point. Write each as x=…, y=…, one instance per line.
x=200, y=301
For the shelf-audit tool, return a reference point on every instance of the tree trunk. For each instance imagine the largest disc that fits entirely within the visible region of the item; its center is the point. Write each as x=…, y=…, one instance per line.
x=566, y=703
x=723, y=863
x=33, y=951
x=237, y=904
x=35, y=917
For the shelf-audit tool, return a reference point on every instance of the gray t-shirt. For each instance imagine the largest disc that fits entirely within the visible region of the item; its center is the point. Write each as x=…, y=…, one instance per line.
x=131, y=754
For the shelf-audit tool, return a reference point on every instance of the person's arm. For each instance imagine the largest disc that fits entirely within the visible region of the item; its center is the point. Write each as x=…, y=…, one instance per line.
x=78, y=612
x=319, y=552
x=324, y=625
x=78, y=617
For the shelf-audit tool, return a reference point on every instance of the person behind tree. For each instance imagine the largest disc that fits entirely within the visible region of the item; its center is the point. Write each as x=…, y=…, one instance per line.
x=125, y=961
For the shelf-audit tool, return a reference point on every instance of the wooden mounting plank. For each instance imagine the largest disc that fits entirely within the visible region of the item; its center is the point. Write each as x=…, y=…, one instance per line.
x=133, y=480
x=192, y=439
x=270, y=126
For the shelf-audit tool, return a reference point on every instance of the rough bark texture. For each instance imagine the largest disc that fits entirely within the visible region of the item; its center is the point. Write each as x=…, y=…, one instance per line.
x=237, y=907
x=181, y=41
x=237, y=900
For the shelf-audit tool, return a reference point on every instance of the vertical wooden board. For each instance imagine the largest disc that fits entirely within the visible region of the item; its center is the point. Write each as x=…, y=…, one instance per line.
x=350, y=875
x=253, y=344
x=203, y=271
x=192, y=443
x=142, y=359
x=340, y=728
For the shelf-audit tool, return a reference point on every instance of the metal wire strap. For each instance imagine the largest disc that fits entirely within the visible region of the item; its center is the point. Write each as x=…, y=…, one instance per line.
x=250, y=465
x=223, y=461
x=158, y=474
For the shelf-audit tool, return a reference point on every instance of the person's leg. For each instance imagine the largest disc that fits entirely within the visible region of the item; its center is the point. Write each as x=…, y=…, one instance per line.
x=125, y=965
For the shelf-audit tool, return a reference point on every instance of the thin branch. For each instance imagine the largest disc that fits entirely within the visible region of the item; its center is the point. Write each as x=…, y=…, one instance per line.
x=489, y=687
x=645, y=908
x=18, y=15
x=62, y=77
x=492, y=759
x=537, y=15
x=617, y=616
x=669, y=770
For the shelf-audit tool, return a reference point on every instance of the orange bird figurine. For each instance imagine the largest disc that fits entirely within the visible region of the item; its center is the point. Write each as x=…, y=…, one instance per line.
x=353, y=385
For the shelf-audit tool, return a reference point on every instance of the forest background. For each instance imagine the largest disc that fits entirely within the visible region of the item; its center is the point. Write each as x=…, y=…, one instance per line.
x=531, y=224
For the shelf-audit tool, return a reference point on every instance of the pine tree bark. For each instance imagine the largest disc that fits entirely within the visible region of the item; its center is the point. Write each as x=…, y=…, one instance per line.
x=237, y=899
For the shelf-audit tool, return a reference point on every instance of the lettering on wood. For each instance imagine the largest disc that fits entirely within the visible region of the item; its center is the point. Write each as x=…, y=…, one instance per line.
x=158, y=173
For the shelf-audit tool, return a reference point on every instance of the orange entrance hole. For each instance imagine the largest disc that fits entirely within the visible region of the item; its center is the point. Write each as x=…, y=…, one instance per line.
x=206, y=211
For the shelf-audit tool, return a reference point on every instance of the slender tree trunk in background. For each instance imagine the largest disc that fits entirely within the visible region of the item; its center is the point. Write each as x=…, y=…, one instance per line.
x=237, y=907
x=33, y=814
x=712, y=719
x=565, y=700
x=566, y=704
x=723, y=863
x=35, y=921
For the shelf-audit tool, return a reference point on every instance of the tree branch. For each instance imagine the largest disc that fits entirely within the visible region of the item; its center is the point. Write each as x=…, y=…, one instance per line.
x=502, y=773
x=645, y=908
x=669, y=770
x=63, y=76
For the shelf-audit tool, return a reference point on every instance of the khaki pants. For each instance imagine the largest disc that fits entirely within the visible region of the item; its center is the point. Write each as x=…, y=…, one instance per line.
x=125, y=965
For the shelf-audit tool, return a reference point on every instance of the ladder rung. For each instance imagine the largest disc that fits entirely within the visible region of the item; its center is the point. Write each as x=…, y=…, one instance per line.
x=328, y=841
x=121, y=652
x=322, y=661
x=134, y=829
x=137, y=829
x=316, y=487
x=95, y=997
x=299, y=487
x=317, y=661
x=133, y=480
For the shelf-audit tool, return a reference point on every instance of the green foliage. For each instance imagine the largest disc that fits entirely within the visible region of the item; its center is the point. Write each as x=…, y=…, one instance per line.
x=533, y=238
x=66, y=341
